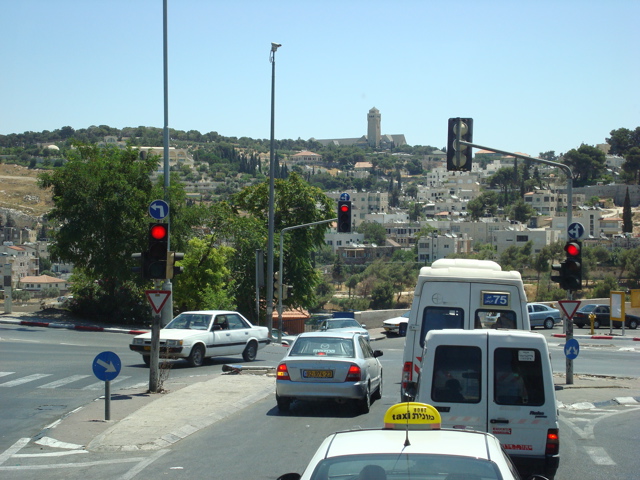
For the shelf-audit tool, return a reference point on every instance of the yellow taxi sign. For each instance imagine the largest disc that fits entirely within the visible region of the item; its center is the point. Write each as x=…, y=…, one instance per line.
x=412, y=415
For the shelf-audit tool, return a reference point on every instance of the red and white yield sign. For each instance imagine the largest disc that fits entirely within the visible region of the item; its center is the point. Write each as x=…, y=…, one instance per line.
x=157, y=298
x=569, y=307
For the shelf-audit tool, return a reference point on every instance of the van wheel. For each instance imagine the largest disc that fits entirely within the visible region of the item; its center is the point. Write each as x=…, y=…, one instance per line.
x=548, y=323
x=250, y=352
x=196, y=357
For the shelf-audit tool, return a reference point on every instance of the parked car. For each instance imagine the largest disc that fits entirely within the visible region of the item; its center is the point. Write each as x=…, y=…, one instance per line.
x=397, y=325
x=195, y=336
x=602, y=313
x=348, y=325
x=411, y=445
x=541, y=315
x=287, y=339
x=330, y=365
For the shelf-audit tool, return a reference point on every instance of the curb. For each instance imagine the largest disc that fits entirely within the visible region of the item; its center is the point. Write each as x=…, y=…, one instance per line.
x=599, y=337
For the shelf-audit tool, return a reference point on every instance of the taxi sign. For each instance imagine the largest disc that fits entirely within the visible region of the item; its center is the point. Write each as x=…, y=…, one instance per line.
x=412, y=415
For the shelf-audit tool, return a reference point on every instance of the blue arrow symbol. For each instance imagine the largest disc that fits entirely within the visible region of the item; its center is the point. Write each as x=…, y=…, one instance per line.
x=158, y=207
x=109, y=368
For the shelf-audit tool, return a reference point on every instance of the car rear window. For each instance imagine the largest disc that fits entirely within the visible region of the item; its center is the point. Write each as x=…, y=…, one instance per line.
x=323, y=347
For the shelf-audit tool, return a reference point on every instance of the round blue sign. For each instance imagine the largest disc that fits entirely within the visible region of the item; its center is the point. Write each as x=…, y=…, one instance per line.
x=106, y=366
x=159, y=209
x=575, y=231
x=571, y=349
x=345, y=197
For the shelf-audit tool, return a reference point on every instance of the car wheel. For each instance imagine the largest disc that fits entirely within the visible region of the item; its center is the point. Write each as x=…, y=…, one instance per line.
x=146, y=359
x=196, y=357
x=364, y=404
x=548, y=323
x=377, y=395
x=283, y=403
x=596, y=324
x=633, y=324
x=250, y=352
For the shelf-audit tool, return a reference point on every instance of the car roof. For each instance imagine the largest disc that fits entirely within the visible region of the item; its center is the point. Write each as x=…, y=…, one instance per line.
x=209, y=312
x=330, y=334
x=465, y=443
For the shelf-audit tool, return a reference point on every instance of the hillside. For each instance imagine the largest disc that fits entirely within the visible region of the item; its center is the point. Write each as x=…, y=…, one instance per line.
x=19, y=191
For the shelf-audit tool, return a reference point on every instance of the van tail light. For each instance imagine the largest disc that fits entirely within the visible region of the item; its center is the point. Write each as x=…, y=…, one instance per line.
x=407, y=374
x=282, y=373
x=552, y=446
x=354, y=374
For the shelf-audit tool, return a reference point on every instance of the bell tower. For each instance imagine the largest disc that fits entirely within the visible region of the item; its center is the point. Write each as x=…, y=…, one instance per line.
x=373, y=128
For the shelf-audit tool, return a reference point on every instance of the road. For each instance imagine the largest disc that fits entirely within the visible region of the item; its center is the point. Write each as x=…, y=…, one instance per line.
x=258, y=441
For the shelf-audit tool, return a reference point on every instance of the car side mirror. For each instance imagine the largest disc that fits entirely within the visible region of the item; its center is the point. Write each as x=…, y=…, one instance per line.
x=377, y=353
x=363, y=325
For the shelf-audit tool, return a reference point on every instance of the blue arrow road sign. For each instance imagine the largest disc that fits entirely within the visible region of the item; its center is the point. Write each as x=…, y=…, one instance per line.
x=571, y=349
x=159, y=209
x=345, y=197
x=575, y=231
x=106, y=366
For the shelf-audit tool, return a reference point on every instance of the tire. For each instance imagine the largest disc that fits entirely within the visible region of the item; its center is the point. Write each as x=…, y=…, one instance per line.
x=579, y=325
x=377, y=395
x=633, y=324
x=196, y=357
x=284, y=403
x=549, y=323
x=364, y=404
x=147, y=360
x=250, y=352
x=596, y=324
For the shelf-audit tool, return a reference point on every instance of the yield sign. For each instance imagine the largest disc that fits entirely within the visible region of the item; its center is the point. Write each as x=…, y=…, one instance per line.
x=157, y=298
x=569, y=307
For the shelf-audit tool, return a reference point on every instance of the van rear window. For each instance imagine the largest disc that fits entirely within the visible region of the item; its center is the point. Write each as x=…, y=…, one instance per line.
x=439, y=318
x=518, y=377
x=456, y=374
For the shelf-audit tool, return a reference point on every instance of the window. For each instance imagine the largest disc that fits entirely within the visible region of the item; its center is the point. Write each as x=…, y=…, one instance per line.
x=456, y=374
x=517, y=377
x=439, y=318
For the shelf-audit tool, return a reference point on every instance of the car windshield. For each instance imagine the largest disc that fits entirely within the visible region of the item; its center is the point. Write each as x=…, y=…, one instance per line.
x=323, y=347
x=588, y=308
x=405, y=467
x=190, y=321
x=342, y=323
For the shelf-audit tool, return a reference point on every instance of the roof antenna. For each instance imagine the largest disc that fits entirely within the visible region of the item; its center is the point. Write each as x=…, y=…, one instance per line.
x=406, y=437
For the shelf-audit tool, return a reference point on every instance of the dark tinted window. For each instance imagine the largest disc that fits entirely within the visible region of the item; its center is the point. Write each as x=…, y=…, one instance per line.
x=456, y=374
x=518, y=377
x=439, y=318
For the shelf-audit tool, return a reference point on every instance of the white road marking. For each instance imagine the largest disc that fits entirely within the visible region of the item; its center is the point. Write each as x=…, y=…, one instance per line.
x=64, y=381
x=599, y=456
x=100, y=385
x=13, y=449
x=27, y=379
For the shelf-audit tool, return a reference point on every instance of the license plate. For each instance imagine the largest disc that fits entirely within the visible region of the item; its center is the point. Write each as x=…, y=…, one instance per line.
x=147, y=348
x=317, y=373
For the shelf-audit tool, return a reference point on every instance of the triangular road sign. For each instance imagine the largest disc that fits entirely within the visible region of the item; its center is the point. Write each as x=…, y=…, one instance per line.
x=569, y=307
x=157, y=298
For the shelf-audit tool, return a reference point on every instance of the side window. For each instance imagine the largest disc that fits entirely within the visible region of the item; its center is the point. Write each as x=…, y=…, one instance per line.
x=366, y=348
x=439, y=318
x=518, y=377
x=456, y=374
x=235, y=322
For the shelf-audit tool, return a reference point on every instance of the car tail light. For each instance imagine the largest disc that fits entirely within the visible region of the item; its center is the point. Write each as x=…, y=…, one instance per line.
x=282, y=373
x=407, y=374
x=354, y=374
x=552, y=446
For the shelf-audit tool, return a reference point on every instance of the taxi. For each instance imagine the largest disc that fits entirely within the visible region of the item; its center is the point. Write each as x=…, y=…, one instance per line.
x=411, y=445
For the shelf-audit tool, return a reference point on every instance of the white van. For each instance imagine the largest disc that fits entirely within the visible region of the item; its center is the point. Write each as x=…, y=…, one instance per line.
x=459, y=293
x=496, y=381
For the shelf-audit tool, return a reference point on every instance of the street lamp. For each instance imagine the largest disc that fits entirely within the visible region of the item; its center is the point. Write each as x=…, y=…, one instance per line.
x=272, y=174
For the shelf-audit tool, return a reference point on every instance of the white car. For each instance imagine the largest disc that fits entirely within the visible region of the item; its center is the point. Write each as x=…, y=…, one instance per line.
x=410, y=446
x=198, y=335
x=397, y=325
x=348, y=325
x=329, y=366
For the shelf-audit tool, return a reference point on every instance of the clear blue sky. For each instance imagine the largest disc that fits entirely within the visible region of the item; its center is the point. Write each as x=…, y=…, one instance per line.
x=534, y=75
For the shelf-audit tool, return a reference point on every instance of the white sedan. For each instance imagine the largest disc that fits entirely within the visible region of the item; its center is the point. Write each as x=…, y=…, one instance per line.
x=410, y=446
x=349, y=325
x=198, y=335
x=329, y=366
x=397, y=325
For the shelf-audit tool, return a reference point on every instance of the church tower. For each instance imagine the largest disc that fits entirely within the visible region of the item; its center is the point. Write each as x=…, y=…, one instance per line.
x=373, y=128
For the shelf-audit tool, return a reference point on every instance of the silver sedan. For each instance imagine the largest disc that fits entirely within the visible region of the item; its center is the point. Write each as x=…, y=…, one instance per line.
x=329, y=366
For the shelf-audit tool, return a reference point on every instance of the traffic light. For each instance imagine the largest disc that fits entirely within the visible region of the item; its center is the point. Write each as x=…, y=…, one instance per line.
x=155, y=258
x=459, y=156
x=344, y=216
x=172, y=269
x=573, y=265
x=140, y=258
x=276, y=285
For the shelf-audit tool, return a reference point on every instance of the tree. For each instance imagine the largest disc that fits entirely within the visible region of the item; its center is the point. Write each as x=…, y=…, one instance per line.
x=373, y=232
x=631, y=164
x=623, y=140
x=627, y=222
x=587, y=163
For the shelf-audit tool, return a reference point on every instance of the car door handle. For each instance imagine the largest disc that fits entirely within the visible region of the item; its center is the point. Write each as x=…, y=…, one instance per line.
x=498, y=420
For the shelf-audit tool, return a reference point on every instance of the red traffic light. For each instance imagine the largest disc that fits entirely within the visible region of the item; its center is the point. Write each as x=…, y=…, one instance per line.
x=158, y=231
x=572, y=249
x=344, y=208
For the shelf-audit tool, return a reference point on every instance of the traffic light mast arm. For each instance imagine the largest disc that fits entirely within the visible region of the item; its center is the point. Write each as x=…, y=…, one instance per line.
x=562, y=166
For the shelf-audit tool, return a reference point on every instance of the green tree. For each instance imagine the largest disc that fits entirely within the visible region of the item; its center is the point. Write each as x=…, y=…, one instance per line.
x=632, y=165
x=373, y=232
x=587, y=163
x=627, y=222
x=622, y=140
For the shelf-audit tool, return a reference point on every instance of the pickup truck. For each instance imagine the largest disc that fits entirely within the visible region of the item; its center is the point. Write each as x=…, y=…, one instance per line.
x=602, y=313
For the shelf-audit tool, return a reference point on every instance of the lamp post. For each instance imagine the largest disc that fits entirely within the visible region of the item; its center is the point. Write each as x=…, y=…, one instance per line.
x=272, y=174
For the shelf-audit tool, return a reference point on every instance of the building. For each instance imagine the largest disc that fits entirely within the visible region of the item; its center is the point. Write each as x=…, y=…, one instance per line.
x=40, y=283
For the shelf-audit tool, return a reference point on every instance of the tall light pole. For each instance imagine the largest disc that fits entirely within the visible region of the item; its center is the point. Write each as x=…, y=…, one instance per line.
x=272, y=174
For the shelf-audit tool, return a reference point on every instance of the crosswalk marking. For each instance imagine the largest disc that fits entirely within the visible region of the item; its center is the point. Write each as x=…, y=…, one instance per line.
x=100, y=385
x=27, y=379
x=4, y=374
x=63, y=381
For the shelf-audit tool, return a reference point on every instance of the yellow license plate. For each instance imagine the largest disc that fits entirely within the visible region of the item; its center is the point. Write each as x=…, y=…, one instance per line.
x=147, y=348
x=317, y=373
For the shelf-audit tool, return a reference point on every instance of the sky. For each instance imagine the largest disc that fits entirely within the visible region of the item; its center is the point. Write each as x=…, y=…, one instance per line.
x=535, y=75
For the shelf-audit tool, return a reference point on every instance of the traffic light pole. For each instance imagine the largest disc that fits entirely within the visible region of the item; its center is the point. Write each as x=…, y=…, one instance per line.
x=281, y=266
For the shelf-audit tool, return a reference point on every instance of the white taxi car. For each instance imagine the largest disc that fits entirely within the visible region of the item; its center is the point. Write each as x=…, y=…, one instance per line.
x=410, y=446
x=198, y=335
